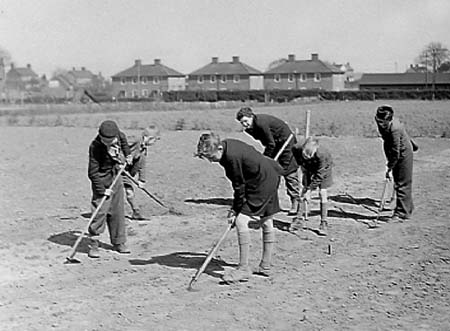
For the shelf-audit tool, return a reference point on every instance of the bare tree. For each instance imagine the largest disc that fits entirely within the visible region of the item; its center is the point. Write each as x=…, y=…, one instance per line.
x=433, y=56
x=276, y=63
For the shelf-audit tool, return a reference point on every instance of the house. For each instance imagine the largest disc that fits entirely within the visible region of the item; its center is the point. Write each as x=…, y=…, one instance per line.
x=22, y=82
x=145, y=80
x=231, y=76
x=404, y=81
x=304, y=74
x=416, y=68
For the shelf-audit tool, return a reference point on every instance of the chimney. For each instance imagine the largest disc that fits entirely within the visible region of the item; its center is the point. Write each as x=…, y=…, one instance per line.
x=28, y=66
x=235, y=59
x=12, y=65
x=137, y=63
x=291, y=57
x=215, y=60
x=73, y=68
x=158, y=61
x=83, y=68
x=315, y=57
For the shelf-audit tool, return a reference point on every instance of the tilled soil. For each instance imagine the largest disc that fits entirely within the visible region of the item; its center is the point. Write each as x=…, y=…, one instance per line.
x=394, y=277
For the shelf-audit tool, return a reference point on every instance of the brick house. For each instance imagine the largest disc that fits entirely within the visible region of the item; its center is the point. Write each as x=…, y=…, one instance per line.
x=404, y=81
x=234, y=75
x=304, y=74
x=146, y=80
x=21, y=82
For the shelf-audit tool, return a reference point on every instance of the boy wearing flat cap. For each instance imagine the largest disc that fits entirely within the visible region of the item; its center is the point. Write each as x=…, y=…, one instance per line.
x=255, y=179
x=106, y=152
x=398, y=149
x=137, y=168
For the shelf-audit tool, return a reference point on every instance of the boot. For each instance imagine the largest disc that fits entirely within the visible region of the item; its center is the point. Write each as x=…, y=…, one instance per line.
x=294, y=207
x=263, y=271
x=323, y=227
x=240, y=274
x=121, y=248
x=298, y=224
x=94, y=249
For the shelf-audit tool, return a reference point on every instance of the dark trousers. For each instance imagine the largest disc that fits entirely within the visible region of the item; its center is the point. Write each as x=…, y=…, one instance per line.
x=292, y=185
x=402, y=173
x=111, y=214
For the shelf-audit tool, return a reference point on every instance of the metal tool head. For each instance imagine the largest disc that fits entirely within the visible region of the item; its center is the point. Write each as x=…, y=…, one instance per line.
x=71, y=260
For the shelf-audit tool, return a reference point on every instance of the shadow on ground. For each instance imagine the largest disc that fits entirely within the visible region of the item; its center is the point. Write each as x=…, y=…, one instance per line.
x=69, y=238
x=212, y=201
x=186, y=260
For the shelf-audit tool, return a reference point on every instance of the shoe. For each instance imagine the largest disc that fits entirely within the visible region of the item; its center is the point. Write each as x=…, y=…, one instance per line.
x=121, y=248
x=398, y=219
x=262, y=271
x=241, y=274
x=323, y=228
x=94, y=249
x=137, y=216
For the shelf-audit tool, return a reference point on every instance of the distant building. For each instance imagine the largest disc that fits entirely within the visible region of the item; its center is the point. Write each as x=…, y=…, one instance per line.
x=416, y=68
x=415, y=81
x=147, y=80
x=304, y=74
x=231, y=76
x=22, y=82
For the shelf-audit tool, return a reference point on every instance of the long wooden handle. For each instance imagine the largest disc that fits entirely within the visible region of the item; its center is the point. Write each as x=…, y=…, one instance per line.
x=126, y=173
x=288, y=140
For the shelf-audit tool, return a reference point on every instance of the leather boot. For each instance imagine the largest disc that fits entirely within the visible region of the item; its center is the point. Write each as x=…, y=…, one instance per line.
x=94, y=249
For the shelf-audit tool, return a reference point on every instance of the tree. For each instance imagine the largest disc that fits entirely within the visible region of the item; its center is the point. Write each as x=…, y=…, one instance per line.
x=276, y=63
x=433, y=56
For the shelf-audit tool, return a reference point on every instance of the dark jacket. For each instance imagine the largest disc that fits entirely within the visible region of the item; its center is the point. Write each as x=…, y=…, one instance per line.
x=253, y=176
x=272, y=133
x=317, y=171
x=102, y=167
x=396, y=143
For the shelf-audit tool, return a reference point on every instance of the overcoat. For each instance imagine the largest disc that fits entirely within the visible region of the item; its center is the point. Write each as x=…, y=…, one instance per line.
x=272, y=133
x=254, y=178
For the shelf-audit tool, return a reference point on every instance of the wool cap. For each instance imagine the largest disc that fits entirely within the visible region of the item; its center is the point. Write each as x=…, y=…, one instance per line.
x=108, y=129
x=385, y=112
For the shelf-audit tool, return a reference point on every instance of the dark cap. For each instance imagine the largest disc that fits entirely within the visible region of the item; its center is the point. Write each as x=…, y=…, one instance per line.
x=108, y=129
x=385, y=112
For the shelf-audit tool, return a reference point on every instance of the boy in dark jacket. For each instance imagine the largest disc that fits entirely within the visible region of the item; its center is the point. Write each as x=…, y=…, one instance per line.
x=316, y=163
x=255, y=179
x=106, y=152
x=273, y=133
x=138, y=148
x=398, y=148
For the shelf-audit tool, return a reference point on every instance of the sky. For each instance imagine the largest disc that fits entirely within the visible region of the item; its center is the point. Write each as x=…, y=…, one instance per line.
x=107, y=36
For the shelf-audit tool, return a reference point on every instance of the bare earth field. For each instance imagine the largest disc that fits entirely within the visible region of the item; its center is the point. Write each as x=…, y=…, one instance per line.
x=395, y=277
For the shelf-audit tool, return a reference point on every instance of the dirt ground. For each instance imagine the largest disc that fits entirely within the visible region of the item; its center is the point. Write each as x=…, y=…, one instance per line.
x=395, y=277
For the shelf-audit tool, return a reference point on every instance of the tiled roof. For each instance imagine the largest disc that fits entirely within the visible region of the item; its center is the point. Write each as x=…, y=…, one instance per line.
x=149, y=70
x=25, y=72
x=226, y=68
x=80, y=74
x=304, y=67
x=404, y=79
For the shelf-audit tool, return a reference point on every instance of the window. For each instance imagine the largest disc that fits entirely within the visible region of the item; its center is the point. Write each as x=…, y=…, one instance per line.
x=277, y=78
x=236, y=78
x=303, y=77
x=290, y=77
x=144, y=80
x=317, y=77
x=200, y=79
x=122, y=94
x=135, y=94
x=223, y=78
x=145, y=93
x=123, y=81
x=156, y=80
x=212, y=79
x=134, y=81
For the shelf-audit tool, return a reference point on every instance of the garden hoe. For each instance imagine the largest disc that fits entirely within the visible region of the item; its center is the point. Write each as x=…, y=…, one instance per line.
x=71, y=258
x=382, y=199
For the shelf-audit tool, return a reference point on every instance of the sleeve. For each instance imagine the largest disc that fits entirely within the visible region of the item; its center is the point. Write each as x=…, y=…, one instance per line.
x=268, y=141
x=234, y=173
x=93, y=172
x=124, y=144
x=392, y=148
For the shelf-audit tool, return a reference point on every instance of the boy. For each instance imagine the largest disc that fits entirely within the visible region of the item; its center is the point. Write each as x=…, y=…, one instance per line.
x=316, y=163
x=255, y=179
x=273, y=133
x=398, y=148
x=106, y=153
x=138, y=146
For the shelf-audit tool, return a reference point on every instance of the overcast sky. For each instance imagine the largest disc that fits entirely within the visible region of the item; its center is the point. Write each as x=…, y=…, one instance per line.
x=108, y=35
